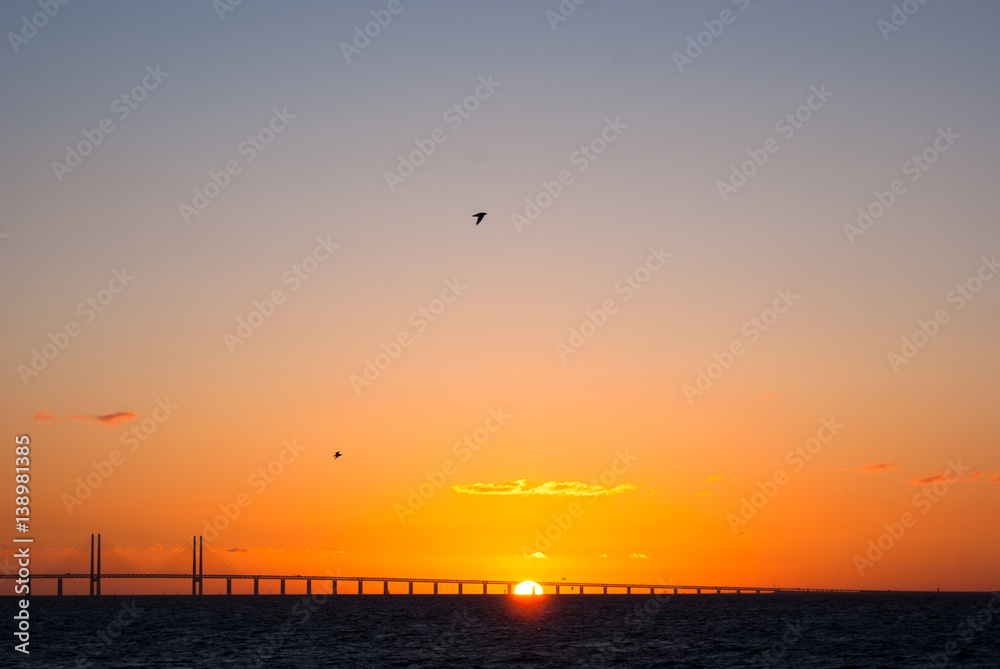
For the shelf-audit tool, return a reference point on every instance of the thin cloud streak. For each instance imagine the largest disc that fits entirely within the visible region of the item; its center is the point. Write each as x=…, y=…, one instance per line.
x=106, y=419
x=874, y=468
x=936, y=478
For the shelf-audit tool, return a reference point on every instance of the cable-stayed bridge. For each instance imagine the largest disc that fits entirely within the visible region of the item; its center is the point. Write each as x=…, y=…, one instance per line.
x=97, y=559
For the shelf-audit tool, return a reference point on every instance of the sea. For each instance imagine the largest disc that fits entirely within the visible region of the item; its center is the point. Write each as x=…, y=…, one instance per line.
x=833, y=631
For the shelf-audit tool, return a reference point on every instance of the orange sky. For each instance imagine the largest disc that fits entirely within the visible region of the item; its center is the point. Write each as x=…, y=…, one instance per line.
x=733, y=389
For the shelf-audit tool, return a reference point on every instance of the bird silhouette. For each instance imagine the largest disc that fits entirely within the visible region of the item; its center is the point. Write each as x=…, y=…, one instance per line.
x=336, y=455
x=479, y=217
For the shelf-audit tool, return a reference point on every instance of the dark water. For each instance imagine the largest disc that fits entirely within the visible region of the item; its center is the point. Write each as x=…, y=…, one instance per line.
x=427, y=631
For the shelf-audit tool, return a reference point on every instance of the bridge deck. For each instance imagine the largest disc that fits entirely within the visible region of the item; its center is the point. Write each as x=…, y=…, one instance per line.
x=464, y=581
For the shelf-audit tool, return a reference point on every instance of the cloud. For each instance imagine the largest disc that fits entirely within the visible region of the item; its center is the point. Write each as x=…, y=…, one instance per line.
x=874, y=468
x=106, y=419
x=871, y=467
x=236, y=549
x=602, y=555
x=995, y=478
x=936, y=478
x=639, y=556
x=770, y=395
x=156, y=549
x=704, y=493
x=713, y=478
x=552, y=488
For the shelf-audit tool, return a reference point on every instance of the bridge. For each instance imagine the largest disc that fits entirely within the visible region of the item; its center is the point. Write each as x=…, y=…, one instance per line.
x=102, y=555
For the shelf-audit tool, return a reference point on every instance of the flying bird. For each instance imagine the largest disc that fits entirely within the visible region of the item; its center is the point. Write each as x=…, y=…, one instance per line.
x=336, y=455
x=479, y=217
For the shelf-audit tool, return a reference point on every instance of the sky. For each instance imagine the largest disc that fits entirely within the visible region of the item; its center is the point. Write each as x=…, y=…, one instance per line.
x=730, y=318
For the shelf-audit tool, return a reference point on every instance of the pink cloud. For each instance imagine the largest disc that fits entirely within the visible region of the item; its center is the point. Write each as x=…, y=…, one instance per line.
x=936, y=478
x=106, y=419
x=872, y=467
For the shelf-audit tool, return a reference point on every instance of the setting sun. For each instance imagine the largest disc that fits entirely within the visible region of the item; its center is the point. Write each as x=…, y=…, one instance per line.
x=528, y=588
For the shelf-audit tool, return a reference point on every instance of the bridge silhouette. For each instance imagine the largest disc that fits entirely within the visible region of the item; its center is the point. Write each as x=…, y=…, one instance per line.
x=103, y=560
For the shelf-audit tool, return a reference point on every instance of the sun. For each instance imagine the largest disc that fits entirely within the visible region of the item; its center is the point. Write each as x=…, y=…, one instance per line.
x=527, y=588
